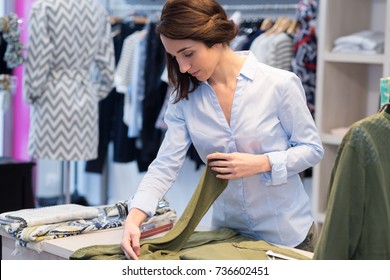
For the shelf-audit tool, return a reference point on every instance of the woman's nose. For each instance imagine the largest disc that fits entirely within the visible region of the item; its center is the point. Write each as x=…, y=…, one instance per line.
x=184, y=66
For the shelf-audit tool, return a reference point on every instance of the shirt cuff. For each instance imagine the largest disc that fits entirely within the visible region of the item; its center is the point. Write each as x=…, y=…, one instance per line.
x=278, y=161
x=143, y=203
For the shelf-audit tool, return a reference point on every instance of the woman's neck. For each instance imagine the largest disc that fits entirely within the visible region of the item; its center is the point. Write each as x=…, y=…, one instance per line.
x=228, y=68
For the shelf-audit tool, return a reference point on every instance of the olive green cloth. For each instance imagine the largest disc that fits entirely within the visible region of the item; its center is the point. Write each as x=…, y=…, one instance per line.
x=357, y=223
x=207, y=191
x=183, y=243
x=220, y=244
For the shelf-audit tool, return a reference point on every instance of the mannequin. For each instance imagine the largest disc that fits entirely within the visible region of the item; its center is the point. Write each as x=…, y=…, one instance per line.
x=67, y=39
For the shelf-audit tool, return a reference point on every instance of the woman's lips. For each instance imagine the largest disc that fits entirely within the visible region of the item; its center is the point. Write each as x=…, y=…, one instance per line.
x=195, y=73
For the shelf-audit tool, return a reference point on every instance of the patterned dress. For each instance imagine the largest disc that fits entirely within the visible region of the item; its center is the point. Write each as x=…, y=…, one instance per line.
x=68, y=42
x=304, y=62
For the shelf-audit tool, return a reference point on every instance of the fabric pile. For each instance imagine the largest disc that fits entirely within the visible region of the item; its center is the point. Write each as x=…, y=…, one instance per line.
x=30, y=226
x=220, y=244
x=183, y=243
x=364, y=42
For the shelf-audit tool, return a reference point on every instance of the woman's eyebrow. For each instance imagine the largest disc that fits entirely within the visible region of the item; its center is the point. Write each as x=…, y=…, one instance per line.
x=179, y=51
x=182, y=49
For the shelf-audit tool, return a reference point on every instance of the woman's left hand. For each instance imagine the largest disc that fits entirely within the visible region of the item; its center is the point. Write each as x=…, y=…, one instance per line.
x=237, y=165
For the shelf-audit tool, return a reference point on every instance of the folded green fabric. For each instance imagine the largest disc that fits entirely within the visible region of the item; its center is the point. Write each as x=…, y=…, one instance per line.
x=207, y=191
x=183, y=243
x=220, y=244
x=239, y=248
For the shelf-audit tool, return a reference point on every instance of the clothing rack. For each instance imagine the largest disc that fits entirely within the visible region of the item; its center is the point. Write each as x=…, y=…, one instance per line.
x=256, y=11
x=241, y=7
x=126, y=8
x=260, y=7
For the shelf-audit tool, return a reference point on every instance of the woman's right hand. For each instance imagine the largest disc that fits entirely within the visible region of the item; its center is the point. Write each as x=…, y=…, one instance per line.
x=130, y=243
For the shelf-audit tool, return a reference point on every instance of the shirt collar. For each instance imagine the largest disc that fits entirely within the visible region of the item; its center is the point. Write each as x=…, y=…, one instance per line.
x=248, y=70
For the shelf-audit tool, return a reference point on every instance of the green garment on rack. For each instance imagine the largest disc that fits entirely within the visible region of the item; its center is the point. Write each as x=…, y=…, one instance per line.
x=183, y=243
x=357, y=223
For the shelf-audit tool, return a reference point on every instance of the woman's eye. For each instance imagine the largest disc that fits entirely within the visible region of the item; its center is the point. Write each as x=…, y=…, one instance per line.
x=188, y=54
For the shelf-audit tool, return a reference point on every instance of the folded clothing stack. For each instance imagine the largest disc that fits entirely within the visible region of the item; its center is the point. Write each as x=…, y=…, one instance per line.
x=52, y=222
x=364, y=42
x=17, y=220
x=162, y=221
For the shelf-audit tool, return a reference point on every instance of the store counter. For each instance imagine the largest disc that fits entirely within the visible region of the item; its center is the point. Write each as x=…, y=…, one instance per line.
x=62, y=248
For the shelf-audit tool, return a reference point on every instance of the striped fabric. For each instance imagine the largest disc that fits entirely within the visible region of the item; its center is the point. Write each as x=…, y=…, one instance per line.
x=67, y=40
x=274, y=50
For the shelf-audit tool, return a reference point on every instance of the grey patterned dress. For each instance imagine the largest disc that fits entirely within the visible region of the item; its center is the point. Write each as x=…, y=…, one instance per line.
x=69, y=40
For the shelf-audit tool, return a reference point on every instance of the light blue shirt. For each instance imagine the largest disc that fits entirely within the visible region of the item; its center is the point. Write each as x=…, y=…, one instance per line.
x=269, y=116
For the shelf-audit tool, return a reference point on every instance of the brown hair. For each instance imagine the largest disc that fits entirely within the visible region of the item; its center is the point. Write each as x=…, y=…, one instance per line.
x=199, y=20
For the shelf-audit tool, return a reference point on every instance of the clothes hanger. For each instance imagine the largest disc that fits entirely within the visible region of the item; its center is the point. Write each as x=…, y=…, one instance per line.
x=284, y=25
x=275, y=26
x=115, y=20
x=293, y=27
x=140, y=19
x=387, y=108
x=266, y=24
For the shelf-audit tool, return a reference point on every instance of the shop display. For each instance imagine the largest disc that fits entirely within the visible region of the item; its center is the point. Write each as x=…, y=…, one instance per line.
x=347, y=82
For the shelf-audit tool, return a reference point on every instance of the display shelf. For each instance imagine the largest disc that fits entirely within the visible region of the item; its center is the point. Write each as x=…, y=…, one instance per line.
x=353, y=58
x=347, y=83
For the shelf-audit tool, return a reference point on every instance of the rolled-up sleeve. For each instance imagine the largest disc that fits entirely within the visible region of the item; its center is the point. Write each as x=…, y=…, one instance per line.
x=304, y=144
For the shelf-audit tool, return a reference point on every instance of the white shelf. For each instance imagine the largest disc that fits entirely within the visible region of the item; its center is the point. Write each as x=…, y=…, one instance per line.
x=347, y=88
x=354, y=58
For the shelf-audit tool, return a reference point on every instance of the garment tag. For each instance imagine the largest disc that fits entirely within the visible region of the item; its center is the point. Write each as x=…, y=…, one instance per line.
x=276, y=256
x=385, y=90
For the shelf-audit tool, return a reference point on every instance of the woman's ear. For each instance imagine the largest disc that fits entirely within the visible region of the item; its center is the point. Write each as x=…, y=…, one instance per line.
x=217, y=46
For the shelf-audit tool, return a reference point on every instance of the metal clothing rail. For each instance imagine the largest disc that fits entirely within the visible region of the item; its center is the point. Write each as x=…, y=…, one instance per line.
x=134, y=8
x=262, y=7
x=241, y=7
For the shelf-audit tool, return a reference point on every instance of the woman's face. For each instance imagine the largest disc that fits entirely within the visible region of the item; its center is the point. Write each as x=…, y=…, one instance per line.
x=193, y=57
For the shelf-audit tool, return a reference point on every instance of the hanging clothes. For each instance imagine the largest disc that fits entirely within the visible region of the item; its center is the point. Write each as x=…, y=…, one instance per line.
x=66, y=39
x=130, y=80
x=274, y=47
x=4, y=69
x=254, y=29
x=111, y=125
x=155, y=91
x=10, y=35
x=304, y=62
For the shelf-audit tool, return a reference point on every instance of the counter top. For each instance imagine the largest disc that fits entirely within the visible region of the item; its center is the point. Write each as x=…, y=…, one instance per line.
x=62, y=248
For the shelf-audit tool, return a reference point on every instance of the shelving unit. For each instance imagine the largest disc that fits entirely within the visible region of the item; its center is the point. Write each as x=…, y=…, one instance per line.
x=347, y=84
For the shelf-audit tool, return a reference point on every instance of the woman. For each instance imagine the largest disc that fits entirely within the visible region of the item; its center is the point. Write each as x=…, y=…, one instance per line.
x=248, y=120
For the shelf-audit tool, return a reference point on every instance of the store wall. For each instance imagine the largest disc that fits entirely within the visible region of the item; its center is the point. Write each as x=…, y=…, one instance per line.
x=21, y=112
x=2, y=13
